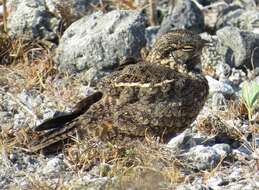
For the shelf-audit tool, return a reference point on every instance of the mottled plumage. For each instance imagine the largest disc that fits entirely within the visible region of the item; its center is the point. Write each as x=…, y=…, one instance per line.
x=160, y=96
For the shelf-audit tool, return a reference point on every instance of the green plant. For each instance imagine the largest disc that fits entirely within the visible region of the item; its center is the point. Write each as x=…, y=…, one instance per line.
x=250, y=97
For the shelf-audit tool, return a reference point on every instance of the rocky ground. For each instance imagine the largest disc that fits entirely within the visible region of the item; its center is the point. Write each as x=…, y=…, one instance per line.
x=56, y=50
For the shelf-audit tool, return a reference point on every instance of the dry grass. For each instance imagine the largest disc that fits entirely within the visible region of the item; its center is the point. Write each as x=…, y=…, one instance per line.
x=134, y=163
x=216, y=125
x=29, y=65
x=123, y=4
x=31, y=61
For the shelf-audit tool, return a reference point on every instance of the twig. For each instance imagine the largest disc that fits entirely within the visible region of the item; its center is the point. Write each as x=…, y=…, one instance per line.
x=152, y=12
x=198, y=4
x=5, y=15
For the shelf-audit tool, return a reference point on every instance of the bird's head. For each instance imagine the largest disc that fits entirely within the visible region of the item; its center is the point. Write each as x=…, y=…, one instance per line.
x=179, y=49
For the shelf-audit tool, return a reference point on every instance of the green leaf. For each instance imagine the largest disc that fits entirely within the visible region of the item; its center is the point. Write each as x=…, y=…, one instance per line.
x=250, y=95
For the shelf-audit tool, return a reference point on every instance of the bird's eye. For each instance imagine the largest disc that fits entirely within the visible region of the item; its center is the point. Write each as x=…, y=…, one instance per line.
x=188, y=48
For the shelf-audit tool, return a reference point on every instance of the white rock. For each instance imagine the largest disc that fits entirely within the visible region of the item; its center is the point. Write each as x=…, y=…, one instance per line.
x=219, y=87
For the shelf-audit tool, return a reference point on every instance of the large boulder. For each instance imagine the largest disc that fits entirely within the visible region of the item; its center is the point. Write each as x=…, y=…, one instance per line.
x=183, y=14
x=32, y=19
x=239, y=48
x=239, y=17
x=95, y=44
x=230, y=48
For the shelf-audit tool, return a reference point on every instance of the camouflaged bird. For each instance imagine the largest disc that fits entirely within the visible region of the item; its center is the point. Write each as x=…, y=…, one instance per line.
x=159, y=96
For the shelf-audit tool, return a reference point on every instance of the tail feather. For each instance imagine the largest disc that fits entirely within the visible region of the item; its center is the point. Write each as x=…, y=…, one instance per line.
x=62, y=126
x=80, y=108
x=51, y=137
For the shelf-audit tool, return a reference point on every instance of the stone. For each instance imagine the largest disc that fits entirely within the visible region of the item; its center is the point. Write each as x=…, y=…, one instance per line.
x=237, y=76
x=247, y=4
x=74, y=9
x=216, y=181
x=88, y=182
x=210, y=57
x=151, y=33
x=211, y=14
x=222, y=149
x=102, y=170
x=249, y=21
x=29, y=99
x=20, y=120
x=228, y=52
x=239, y=48
x=183, y=14
x=223, y=71
x=188, y=139
x=193, y=187
x=219, y=87
x=229, y=16
x=238, y=17
x=203, y=158
x=179, y=141
x=98, y=42
x=219, y=101
x=31, y=19
x=54, y=165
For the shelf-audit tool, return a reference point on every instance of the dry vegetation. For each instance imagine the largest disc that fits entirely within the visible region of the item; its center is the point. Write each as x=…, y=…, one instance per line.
x=29, y=65
x=142, y=165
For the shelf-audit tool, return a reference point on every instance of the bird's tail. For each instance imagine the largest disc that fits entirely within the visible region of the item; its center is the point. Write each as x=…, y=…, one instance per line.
x=61, y=127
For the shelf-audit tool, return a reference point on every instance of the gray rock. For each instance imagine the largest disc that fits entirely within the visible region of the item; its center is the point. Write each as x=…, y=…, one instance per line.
x=223, y=71
x=179, y=141
x=249, y=21
x=211, y=13
x=229, y=16
x=215, y=181
x=151, y=33
x=29, y=99
x=242, y=153
x=100, y=170
x=20, y=120
x=219, y=87
x=183, y=14
x=239, y=48
x=187, y=140
x=89, y=183
x=200, y=139
x=237, y=76
x=99, y=42
x=192, y=187
x=210, y=57
x=219, y=101
x=222, y=149
x=71, y=9
x=32, y=19
x=54, y=165
x=239, y=17
x=247, y=4
x=48, y=113
x=203, y=158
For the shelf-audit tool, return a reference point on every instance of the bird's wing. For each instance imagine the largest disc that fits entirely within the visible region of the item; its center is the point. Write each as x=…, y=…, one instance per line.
x=80, y=108
x=139, y=76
